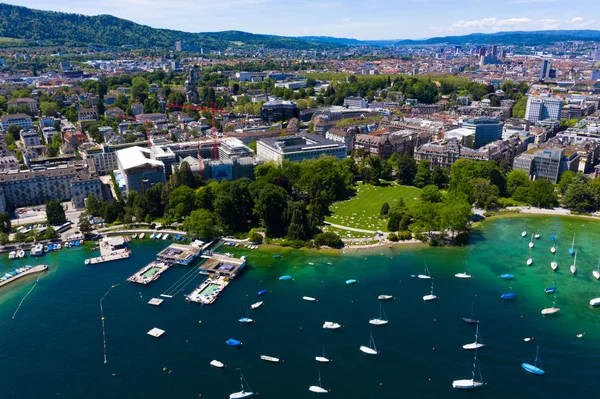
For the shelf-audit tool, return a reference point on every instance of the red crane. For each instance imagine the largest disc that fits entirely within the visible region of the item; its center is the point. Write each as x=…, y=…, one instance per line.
x=147, y=124
x=213, y=111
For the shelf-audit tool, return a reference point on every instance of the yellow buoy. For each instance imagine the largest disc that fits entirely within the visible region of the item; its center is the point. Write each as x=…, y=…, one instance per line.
x=103, y=318
x=164, y=369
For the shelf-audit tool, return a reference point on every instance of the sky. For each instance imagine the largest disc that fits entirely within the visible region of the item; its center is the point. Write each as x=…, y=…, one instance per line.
x=360, y=19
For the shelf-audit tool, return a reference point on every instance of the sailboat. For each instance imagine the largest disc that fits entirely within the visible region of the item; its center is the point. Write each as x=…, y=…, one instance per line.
x=472, y=383
x=524, y=233
x=382, y=320
x=384, y=297
x=256, y=305
x=246, y=319
x=470, y=320
x=550, y=290
x=553, y=309
x=554, y=264
x=319, y=388
x=572, y=249
x=242, y=393
x=531, y=245
x=596, y=273
x=533, y=368
x=537, y=236
x=476, y=344
x=573, y=267
x=553, y=248
x=430, y=297
x=508, y=276
x=509, y=294
x=595, y=302
x=530, y=260
x=322, y=359
x=371, y=349
x=426, y=275
x=465, y=274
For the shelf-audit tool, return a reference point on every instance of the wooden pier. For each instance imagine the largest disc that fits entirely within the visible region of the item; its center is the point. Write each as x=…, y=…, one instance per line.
x=108, y=258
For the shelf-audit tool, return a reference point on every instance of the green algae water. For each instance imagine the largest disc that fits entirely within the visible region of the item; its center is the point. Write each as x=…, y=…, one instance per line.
x=53, y=348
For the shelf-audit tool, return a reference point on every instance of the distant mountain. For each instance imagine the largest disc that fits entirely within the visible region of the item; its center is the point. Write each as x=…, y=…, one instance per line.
x=347, y=42
x=105, y=30
x=534, y=38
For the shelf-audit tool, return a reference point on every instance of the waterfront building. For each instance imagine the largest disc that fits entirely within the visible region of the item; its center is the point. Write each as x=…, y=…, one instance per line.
x=139, y=169
x=548, y=163
x=298, y=147
x=542, y=108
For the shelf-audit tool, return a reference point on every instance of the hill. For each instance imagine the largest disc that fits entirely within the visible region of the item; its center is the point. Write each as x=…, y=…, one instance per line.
x=56, y=28
x=533, y=38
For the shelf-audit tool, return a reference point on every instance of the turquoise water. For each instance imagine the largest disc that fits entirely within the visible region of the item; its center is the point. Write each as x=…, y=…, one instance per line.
x=53, y=347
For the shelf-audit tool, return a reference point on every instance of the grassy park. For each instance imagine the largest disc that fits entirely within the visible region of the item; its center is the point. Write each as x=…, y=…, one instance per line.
x=362, y=210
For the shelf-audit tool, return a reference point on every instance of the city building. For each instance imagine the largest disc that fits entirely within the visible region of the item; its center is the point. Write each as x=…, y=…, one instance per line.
x=341, y=136
x=27, y=102
x=139, y=170
x=30, y=138
x=548, y=163
x=21, y=120
x=545, y=69
x=292, y=85
x=298, y=147
x=355, y=102
x=486, y=130
x=83, y=185
x=542, y=108
x=596, y=75
x=48, y=133
x=88, y=115
x=231, y=148
x=465, y=136
x=276, y=111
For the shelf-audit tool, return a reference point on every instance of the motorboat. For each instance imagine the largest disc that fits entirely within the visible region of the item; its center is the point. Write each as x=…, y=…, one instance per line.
x=507, y=276
x=87, y=261
x=12, y=255
x=529, y=262
x=596, y=273
x=573, y=267
x=384, y=297
x=269, y=359
x=233, y=342
x=463, y=275
x=246, y=320
x=351, y=281
x=371, y=349
x=217, y=364
x=329, y=325
x=554, y=266
x=134, y=236
x=142, y=236
x=262, y=292
x=283, y=278
x=256, y=305
x=37, y=250
x=537, y=236
x=595, y=302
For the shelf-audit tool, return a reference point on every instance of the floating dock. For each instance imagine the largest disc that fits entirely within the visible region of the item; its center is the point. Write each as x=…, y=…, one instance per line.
x=149, y=273
x=5, y=279
x=222, y=265
x=207, y=292
x=179, y=253
x=108, y=258
x=155, y=301
x=111, y=249
x=156, y=332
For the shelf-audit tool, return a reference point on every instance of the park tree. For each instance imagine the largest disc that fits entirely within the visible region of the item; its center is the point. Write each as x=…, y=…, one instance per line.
x=3, y=239
x=233, y=205
x=50, y=233
x=85, y=227
x=15, y=132
x=139, y=89
x=201, y=224
x=269, y=207
x=5, y=224
x=55, y=213
x=92, y=205
x=385, y=209
x=485, y=194
x=455, y=215
x=516, y=179
x=542, y=195
x=431, y=193
x=298, y=226
x=181, y=202
x=565, y=180
x=49, y=108
x=153, y=200
x=439, y=176
x=580, y=197
x=406, y=169
x=423, y=175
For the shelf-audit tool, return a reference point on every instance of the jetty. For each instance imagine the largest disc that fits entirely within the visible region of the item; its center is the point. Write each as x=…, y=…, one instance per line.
x=21, y=272
x=111, y=249
x=149, y=273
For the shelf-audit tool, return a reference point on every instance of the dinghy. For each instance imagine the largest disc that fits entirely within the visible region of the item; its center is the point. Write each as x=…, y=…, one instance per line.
x=217, y=364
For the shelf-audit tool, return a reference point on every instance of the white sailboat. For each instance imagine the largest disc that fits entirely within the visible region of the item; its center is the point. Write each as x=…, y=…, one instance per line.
x=384, y=297
x=476, y=344
x=524, y=233
x=430, y=297
x=573, y=267
x=596, y=273
x=322, y=359
x=530, y=260
x=537, y=236
x=552, y=310
x=243, y=393
x=465, y=274
x=256, y=305
x=425, y=275
x=371, y=349
x=319, y=388
x=553, y=264
x=472, y=383
x=382, y=320
x=531, y=245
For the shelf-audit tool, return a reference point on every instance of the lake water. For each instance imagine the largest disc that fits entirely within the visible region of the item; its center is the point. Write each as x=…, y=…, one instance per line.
x=53, y=348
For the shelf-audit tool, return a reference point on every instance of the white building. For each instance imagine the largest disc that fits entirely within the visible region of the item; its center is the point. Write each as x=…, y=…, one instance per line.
x=21, y=120
x=139, y=169
x=298, y=147
x=542, y=108
x=355, y=102
x=30, y=138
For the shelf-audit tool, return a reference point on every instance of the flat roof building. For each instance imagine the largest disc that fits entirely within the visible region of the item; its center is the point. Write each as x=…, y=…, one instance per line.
x=298, y=147
x=139, y=169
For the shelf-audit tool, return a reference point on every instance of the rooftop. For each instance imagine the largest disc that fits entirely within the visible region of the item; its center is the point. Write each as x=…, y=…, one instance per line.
x=135, y=157
x=300, y=142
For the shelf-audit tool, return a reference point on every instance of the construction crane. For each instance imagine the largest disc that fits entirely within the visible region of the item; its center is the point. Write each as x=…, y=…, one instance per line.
x=213, y=111
x=147, y=124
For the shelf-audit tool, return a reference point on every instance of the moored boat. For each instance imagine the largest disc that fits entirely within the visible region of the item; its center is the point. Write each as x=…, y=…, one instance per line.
x=476, y=344
x=322, y=359
x=233, y=342
x=246, y=320
x=319, y=388
x=573, y=267
x=21, y=253
x=351, y=281
x=329, y=325
x=256, y=305
x=262, y=292
x=142, y=236
x=596, y=273
x=269, y=359
x=430, y=296
x=472, y=383
x=533, y=368
x=217, y=364
x=384, y=297
x=553, y=309
x=371, y=349
x=309, y=298
x=595, y=302
x=425, y=275
x=286, y=277
x=381, y=320
x=243, y=393
x=12, y=255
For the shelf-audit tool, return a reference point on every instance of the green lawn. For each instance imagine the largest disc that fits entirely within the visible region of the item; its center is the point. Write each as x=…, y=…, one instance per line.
x=362, y=210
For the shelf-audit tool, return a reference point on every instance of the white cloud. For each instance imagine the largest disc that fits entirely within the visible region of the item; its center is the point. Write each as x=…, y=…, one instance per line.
x=577, y=19
x=489, y=24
